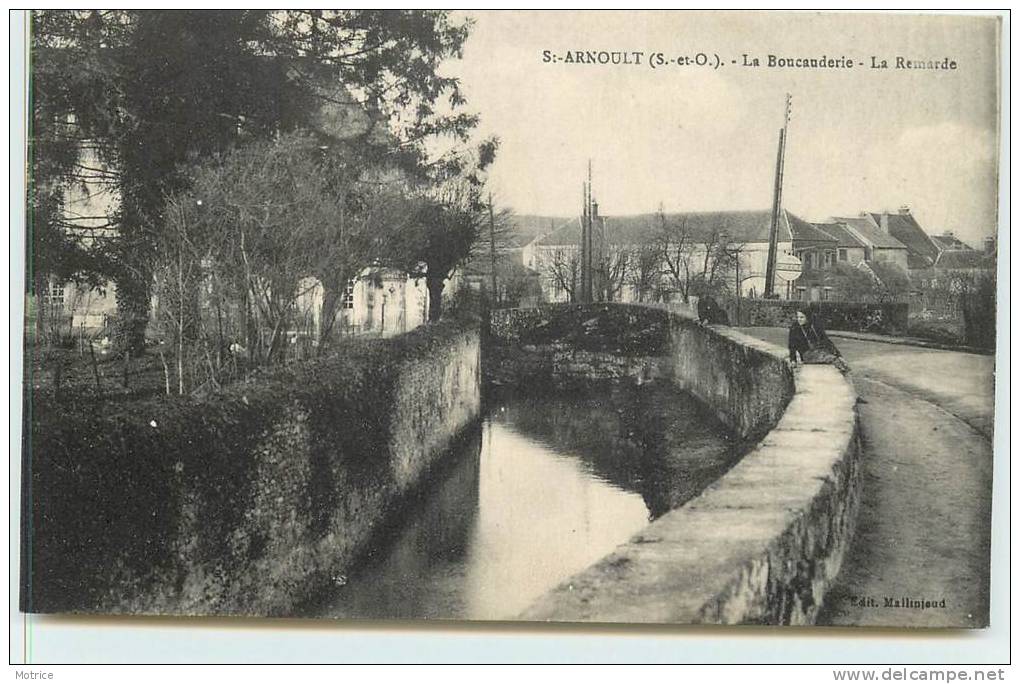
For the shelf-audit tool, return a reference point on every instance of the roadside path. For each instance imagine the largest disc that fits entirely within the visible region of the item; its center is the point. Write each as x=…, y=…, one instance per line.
x=923, y=528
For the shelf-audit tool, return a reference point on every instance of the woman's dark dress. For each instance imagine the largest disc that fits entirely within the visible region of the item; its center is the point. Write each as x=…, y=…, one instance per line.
x=709, y=311
x=813, y=345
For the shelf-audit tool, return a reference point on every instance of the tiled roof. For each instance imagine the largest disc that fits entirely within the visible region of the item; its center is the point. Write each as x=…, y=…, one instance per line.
x=872, y=234
x=905, y=228
x=564, y=232
x=804, y=232
x=949, y=242
x=838, y=231
x=526, y=227
x=739, y=226
x=508, y=263
x=964, y=259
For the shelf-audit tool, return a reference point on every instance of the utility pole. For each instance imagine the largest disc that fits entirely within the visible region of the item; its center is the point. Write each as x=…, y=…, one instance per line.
x=590, y=283
x=738, y=295
x=777, y=204
x=492, y=248
x=584, y=243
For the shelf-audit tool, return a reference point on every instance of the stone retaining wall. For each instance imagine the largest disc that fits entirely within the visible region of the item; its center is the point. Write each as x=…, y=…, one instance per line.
x=746, y=381
x=568, y=344
x=761, y=545
x=247, y=503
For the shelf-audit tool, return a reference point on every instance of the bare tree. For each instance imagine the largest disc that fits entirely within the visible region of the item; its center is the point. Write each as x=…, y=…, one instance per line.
x=695, y=264
x=565, y=269
x=261, y=228
x=676, y=246
x=719, y=261
x=611, y=271
x=645, y=273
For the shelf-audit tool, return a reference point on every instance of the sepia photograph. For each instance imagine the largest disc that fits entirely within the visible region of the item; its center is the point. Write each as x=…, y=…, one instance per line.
x=589, y=317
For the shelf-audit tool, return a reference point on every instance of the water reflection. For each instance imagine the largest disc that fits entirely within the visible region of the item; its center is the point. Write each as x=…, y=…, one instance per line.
x=544, y=488
x=652, y=439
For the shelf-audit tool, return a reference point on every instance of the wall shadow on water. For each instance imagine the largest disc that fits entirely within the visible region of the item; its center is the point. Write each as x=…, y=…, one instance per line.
x=651, y=438
x=546, y=485
x=419, y=547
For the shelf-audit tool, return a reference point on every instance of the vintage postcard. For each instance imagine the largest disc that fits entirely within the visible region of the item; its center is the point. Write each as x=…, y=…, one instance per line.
x=591, y=317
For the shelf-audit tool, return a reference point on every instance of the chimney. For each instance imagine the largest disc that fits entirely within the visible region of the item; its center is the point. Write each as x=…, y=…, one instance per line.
x=904, y=210
x=884, y=221
x=947, y=233
x=594, y=209
x=990, y=245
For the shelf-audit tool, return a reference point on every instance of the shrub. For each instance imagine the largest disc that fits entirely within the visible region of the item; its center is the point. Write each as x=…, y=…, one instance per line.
x=936, y=330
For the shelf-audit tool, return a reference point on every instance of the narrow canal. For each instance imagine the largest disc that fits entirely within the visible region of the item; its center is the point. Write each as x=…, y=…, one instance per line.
x=543, y=487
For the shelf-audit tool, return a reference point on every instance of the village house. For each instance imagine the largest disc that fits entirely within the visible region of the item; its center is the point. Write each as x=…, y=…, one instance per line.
x=516, y=284
x=948, y=241
x=958, y=266
x=556, y=257
x=745, y=234
x=849, y=248
x=878, y=243
x=887, y=237
x=816, y=249
x=68, y=308
x=818, y=253
x=378, y=301
x=922, y=251
x=934, y=262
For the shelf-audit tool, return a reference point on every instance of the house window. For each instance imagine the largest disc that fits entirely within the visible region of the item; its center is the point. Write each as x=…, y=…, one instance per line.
x=54, y=296
x=348, y=301
x=842, y=255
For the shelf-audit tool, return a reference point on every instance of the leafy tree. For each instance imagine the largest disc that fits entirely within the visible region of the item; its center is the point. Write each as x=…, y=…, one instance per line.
x=451, y=223
x=893, y=281
x=872, y=281
x=150, y=92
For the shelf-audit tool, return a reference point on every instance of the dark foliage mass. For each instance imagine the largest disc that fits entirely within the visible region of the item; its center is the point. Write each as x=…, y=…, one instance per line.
x=614, y=328
x=123, y=101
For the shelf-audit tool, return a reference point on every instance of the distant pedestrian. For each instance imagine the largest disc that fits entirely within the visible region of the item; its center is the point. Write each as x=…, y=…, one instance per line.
x=709, y=311
x=809, y=344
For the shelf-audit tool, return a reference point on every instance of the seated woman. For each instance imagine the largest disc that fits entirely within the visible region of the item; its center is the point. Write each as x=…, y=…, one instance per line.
x=709, y=311
x=809, y=342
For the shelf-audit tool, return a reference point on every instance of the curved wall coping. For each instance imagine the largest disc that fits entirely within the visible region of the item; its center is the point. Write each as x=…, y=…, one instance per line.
x=760, y=545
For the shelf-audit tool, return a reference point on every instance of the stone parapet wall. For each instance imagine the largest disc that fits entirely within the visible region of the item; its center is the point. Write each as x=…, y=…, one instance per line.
x=762, y=544
x=747, y=382
x=890, y=318
x=246, y=503
x=567, y=344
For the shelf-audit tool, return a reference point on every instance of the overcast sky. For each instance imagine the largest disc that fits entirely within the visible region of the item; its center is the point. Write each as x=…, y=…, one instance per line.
x=705, y=139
